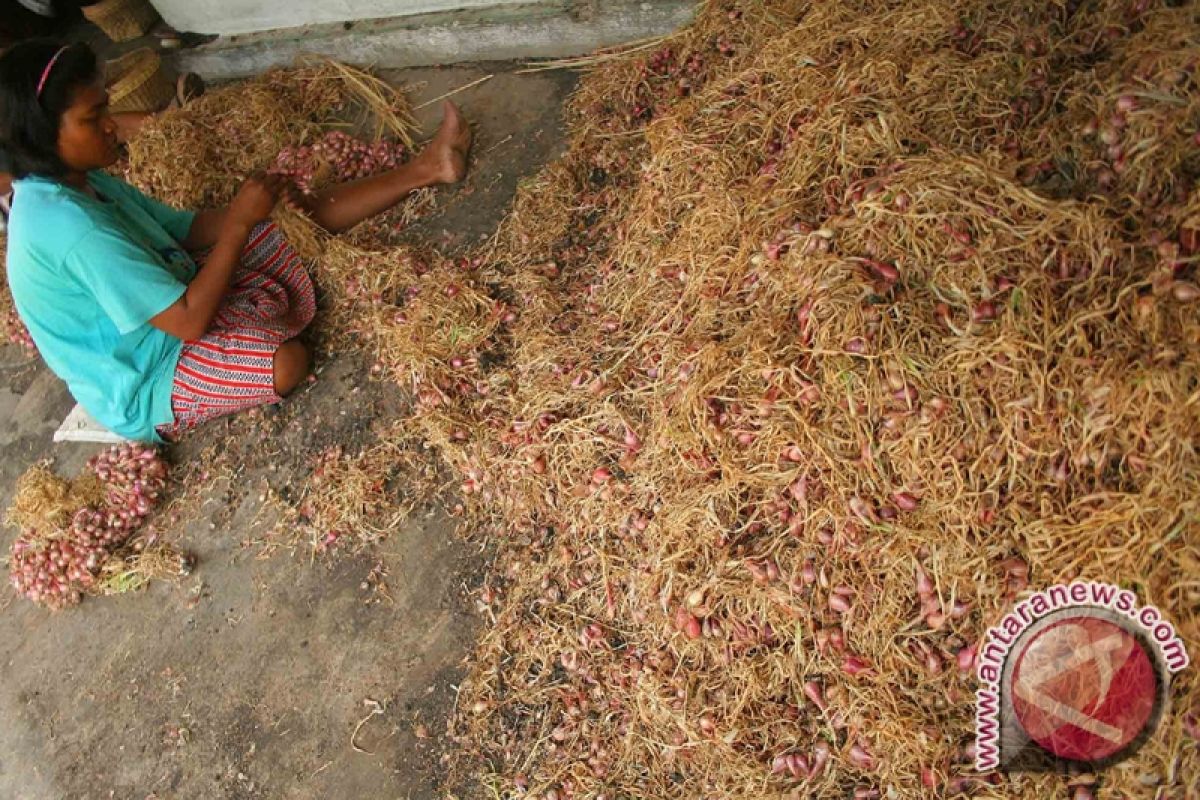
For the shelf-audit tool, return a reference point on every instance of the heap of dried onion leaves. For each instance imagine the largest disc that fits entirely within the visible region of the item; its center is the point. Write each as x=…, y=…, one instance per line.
x=838, y=328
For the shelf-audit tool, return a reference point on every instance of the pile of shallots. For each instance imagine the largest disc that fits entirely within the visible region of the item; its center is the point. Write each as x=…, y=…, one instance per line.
x=57, y=567
x=343, y=156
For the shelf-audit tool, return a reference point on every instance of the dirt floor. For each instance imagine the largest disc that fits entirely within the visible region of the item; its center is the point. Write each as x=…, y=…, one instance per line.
x=264, y=675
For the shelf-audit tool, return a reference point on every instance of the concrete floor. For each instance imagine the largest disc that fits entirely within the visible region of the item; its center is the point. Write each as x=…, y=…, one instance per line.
x=248, y=678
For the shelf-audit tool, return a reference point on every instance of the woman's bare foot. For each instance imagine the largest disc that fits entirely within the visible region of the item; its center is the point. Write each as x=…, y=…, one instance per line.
x=447, y=153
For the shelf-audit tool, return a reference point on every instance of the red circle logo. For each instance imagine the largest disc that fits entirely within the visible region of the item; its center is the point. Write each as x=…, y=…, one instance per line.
x=1084, y=688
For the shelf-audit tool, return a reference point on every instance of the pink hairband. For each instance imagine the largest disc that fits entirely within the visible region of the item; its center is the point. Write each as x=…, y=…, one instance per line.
x=46, y=72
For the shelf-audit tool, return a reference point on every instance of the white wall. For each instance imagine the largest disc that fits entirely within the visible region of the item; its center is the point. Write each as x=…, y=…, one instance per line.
x=246, y=16
x=554, y=29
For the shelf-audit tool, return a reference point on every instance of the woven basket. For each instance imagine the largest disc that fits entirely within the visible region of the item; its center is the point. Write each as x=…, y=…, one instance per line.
x=122, y=20
x=137, y=82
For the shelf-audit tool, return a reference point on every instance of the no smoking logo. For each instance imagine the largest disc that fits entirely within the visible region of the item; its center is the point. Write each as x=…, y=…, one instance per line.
x=1083, y=686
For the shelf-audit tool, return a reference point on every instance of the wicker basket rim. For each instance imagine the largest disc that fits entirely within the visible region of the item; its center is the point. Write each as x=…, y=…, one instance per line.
x=141, y=63
x=107, y=8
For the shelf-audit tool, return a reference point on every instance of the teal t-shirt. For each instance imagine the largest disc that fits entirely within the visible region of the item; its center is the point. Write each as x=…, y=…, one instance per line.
x=86, y=275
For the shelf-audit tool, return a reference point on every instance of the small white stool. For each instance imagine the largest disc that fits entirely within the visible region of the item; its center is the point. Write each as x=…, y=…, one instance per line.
x=80, y=427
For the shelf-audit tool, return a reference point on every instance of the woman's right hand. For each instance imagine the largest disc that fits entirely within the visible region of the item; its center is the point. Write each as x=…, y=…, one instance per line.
x=256, y=199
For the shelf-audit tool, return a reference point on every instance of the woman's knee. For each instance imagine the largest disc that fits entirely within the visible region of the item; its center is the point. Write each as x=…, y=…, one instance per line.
x=292, y=363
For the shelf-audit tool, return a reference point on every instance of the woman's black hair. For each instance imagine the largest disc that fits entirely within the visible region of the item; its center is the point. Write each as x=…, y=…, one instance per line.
x=29, y=122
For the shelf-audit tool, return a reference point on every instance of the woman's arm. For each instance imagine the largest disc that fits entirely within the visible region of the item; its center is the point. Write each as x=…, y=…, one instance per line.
x=189, y=317
x=206, y=229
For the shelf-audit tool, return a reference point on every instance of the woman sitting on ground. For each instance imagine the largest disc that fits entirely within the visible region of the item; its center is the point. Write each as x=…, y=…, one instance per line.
x=151, y=337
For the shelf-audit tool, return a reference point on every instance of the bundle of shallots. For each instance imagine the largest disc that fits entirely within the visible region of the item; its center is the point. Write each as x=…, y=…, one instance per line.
x=55, y=565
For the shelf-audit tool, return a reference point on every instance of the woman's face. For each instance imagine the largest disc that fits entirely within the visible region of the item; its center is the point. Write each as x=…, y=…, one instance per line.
x=87, y=135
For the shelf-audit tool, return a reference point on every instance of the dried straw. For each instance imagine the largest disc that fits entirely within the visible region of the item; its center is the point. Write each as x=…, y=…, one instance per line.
x=359, y=499
x=46, y=502
x=137, y=564
x=599, y=58
x=714, y=284
x=237, y=130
